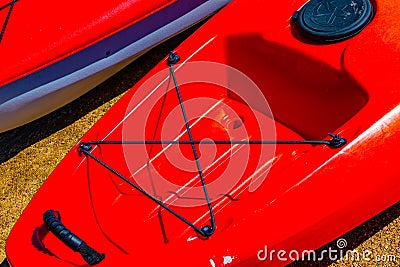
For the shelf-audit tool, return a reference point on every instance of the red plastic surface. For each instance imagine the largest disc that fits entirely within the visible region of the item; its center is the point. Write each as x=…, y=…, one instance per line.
x=311, y=195
x=41, y=33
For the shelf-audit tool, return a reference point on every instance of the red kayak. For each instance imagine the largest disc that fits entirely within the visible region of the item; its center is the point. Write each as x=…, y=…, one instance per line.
x=54, y=52
x=275, y=125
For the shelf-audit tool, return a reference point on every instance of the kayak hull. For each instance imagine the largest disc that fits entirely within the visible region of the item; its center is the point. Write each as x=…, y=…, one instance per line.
x=43, y=91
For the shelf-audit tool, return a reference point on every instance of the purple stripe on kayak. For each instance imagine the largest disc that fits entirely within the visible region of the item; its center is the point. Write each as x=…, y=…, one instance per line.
x=99, y=50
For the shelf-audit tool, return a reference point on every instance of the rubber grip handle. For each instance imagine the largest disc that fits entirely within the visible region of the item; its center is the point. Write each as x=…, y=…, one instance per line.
x=54, y=225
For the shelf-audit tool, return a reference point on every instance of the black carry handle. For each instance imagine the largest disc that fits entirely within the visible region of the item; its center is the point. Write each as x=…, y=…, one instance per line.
x=54, y=225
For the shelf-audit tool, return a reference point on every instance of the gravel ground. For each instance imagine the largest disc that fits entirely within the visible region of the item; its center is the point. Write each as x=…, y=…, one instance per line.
x=30, y=153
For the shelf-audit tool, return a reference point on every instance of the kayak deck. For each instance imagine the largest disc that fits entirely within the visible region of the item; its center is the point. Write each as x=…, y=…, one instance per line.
x=308, y=196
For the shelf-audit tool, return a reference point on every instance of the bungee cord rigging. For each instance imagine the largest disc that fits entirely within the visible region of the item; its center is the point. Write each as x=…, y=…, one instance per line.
x=85, y=148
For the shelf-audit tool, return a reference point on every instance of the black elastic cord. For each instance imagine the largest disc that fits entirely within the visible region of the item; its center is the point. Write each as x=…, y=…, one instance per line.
x=85, y=149
x=8, y=4
x=208, y=229
x=11, y=4
x=335, y=142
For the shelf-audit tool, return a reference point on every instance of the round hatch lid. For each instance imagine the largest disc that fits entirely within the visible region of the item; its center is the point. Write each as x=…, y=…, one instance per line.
x=333, y=20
